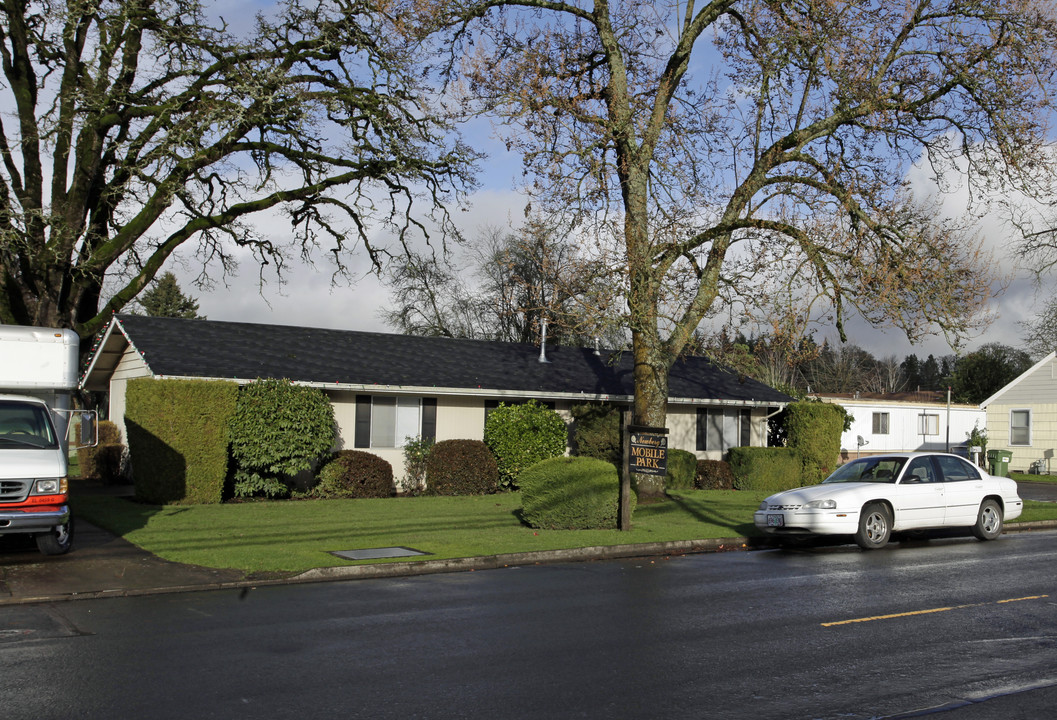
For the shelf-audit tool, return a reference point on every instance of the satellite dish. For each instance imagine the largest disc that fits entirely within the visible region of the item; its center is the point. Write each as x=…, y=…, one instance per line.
x=860, y=441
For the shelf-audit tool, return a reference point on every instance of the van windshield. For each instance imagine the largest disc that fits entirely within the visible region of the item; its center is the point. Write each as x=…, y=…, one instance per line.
x=25, y=425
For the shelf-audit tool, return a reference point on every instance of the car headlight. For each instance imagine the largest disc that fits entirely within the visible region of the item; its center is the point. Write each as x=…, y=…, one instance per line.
x=49, y=486
x=821, y=504
x=764, y=505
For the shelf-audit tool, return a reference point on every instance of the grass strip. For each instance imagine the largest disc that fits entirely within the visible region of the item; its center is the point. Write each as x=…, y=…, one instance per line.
x=294, y=536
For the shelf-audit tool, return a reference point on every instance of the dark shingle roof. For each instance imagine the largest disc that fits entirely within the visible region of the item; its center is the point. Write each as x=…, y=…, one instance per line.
x=213, y=349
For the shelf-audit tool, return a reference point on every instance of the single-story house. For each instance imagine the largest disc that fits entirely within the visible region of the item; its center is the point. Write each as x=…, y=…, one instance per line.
x=385, y=388
x=1022, y=418
x=904, y=422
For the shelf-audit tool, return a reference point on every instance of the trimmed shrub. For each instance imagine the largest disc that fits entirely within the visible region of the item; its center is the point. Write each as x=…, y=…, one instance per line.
x=103, y=462
x=355, y=474
x=279, y=430
x=714, y=475
x=522, y=435
x=596, y=432
x=814, y=432
x=682, y=468
x=571, y=493
x=461, y=467
x=768, y=470
x=178, y=438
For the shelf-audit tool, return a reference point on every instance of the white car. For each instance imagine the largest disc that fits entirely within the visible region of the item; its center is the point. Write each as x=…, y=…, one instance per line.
x=872, y=497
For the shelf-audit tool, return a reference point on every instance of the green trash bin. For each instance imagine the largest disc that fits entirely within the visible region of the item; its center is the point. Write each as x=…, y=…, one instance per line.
x=998, y=462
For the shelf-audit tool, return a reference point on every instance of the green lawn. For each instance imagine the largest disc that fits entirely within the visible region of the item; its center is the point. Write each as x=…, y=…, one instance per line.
x=1026, y=477
x=293, y=536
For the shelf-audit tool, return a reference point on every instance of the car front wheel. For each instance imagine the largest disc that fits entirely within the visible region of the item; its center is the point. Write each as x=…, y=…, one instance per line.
x=875, y=527
x=989, y=521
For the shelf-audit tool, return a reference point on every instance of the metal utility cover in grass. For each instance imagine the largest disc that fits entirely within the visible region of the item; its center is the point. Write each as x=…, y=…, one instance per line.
x=377, y=553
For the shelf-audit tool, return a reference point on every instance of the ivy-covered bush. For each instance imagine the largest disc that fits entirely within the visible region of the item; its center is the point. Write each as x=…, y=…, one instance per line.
x=682, y=468
x=596, y=432
x=714, y=475
x=279, y=429
x=355, y=474
x=461, y=467
x=177, y=432
x=768, y=470
x=571, y=493
x=522, y=435
x=416, y=455
x=103, y=462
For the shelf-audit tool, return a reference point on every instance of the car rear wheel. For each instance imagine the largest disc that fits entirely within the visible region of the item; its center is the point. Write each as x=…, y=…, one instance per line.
x=875, y=527
x=56, y=541
x=988, y=521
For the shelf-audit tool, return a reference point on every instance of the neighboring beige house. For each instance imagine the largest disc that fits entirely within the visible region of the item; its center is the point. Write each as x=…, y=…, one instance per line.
x=1022, y=418
x=904, y=422
x=385, y=388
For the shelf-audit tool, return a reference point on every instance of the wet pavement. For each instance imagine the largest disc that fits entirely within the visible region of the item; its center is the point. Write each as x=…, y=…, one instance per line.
x=103, y=565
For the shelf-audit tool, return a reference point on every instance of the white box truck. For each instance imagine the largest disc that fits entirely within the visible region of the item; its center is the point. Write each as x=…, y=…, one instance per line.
x=38, y=376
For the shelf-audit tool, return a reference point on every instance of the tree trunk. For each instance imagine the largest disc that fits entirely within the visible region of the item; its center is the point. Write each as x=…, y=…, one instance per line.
x=651, y=399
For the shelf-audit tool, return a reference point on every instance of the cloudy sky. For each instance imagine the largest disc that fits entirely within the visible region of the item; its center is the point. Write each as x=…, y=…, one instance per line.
x=308, y=297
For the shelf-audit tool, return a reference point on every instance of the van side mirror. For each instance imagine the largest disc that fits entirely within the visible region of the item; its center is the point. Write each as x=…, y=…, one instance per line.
x=89, y=435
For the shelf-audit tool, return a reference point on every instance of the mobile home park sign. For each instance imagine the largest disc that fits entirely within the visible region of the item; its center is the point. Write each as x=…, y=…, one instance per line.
x=648, y=450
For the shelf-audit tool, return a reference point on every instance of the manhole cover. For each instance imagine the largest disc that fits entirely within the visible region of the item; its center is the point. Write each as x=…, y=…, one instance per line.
x=376, y=553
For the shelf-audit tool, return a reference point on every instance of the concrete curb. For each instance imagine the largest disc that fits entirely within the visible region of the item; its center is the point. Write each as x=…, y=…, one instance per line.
x=431, y=567
x=414, y=568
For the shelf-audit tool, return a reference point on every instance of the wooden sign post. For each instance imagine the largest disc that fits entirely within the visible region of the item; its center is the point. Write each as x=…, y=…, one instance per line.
x=646, y=453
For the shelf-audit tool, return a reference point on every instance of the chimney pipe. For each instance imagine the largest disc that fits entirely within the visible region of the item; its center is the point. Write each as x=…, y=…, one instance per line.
x=543, y=343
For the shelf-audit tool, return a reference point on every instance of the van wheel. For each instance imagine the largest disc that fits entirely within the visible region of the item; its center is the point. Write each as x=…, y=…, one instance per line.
x=875, y=527
x=56, y=541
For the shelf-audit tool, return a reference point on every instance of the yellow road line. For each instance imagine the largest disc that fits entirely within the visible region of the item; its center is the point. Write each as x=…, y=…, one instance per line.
x=929, y=611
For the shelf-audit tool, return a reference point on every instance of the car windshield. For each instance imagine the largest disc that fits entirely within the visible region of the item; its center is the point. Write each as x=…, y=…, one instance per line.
x=880, y=469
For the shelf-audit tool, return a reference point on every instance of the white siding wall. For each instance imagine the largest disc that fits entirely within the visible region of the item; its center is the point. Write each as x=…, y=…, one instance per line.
x=903, y=428
x=130, y=366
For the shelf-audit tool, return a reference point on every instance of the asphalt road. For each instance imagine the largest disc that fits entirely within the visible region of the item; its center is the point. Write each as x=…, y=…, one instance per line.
x=831, y=632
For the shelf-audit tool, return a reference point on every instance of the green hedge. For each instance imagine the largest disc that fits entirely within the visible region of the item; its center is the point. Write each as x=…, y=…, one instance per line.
x=682, y=469
x=571, y=493
x=178, y=438
x=461, y=467
x=714, y=475
x=279, y=429
x=355, y=474
x=814, y=432
x=522, y=435
x=767, y=470
x=103, y=461
x=596, y=432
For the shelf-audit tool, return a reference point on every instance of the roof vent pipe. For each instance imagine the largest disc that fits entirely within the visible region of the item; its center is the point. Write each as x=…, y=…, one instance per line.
x=597, y=351
x=543, y=343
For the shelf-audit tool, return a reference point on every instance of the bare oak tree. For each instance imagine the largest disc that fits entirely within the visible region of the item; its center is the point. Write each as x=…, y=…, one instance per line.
x=132, y=127
x=721, y=139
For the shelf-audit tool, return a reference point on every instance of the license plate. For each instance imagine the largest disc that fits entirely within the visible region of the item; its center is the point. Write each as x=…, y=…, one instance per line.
x=775, y=520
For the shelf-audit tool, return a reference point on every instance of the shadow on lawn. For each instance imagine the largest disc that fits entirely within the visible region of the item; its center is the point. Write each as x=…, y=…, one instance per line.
x=707, y=512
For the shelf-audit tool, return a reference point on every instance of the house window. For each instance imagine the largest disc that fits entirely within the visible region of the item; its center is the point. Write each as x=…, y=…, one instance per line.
x=880, y=423
x=1020, y=427
x=387, y=421
x=722, y=429
x=928, y=424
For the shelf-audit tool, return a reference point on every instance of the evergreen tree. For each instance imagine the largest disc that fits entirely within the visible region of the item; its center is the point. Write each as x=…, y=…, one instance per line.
x=165, y=299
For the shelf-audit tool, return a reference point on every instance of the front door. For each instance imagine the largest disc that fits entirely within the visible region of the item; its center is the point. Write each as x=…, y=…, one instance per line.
x=919, y=496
